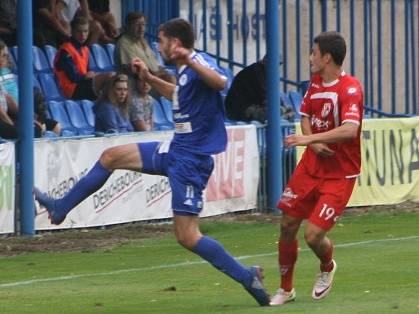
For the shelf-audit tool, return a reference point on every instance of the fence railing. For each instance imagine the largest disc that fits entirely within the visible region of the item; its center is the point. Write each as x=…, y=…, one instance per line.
x=382, y=39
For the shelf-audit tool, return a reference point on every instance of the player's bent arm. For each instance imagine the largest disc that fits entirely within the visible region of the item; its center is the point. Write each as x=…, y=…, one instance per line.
x=305, y=125
x=166, y=89
x=211, y=77
x=344, y=132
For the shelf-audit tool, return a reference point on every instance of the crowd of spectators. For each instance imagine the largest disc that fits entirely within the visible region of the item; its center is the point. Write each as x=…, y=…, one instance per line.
x=123, y=102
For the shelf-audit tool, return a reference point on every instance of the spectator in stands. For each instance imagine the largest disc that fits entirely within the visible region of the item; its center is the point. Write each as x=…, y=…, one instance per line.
x=67, y=10
x=71, y=65
x=100, y=11
x=141, y=110
x=7, y=78
x=41, y=114
x=8, y=22
x=10, y=89
x=132, y=44
x=111, y=110
x=8, y=128
x=246, y=98
x=48, y=27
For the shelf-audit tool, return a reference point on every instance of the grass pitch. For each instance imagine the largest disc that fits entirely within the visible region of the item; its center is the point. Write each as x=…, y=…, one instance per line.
x=377, y=255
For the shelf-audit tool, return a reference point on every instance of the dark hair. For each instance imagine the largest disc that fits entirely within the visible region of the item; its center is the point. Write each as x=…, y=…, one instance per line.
x=133, y=16
x=180, y=29
x=77, y=21
x=333, y=43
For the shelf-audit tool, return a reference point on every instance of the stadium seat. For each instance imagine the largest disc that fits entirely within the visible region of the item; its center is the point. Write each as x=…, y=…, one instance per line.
x=160, y=120
x=87, y=107
x=296, y=99
x=13, y=52
x=92, y=63
x=110, y=49
x=58, y=113
x=77, y=118
x=49, y=86
x=40, y=62
x=167, y=108
x=50, y=52
x=103, y=62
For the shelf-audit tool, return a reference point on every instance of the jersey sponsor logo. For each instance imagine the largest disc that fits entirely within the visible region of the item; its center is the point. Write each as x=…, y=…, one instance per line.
x=320, y=124
x=326, y=109
x=183, y=80
x=183, y=127
x=353, y=108
x=352, y=90
x=314, y=85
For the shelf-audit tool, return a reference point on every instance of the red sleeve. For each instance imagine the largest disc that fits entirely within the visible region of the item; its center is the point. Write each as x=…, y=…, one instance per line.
x=305, y=109
x=351, y=104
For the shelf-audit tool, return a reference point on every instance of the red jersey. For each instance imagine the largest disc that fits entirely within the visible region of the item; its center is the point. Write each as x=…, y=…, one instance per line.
x=329, y=105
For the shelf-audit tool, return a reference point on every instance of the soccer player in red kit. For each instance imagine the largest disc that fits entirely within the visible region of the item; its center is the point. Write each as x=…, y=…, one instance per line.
x=323, y=180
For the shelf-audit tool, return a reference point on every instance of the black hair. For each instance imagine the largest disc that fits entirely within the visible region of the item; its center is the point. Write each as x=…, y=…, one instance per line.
x=333, y=43
x=180, y=29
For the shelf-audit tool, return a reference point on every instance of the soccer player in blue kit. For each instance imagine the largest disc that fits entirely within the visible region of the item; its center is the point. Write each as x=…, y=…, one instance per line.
x=186, y=161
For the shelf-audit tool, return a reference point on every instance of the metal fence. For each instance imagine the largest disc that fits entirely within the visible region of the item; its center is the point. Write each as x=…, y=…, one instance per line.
x=382, y=38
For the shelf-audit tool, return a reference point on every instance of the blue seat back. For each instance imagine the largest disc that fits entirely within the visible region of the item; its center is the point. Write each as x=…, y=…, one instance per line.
x=50, y=52
x=160, y=120
x=296, y=99
x=40, y=62
x=77, y=118
x=49, y=86
x=103, y=62
x=110, y=49
x=58, y=113
x=92, y=63
x=167, y=108
x=87, y=107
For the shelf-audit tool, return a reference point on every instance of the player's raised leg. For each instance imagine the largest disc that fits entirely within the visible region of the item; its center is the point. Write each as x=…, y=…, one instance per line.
x=119, y=157
x=287, y=257
x=189, y=236
x=321, y=245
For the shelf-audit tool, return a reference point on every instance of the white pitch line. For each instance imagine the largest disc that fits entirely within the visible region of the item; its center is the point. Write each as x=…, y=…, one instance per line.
x=167, y=266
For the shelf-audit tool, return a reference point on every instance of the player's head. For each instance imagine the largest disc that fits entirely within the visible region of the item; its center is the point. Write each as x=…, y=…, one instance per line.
x=329, y=48
x=80, y=28
x=175, y=33
x=136, y=24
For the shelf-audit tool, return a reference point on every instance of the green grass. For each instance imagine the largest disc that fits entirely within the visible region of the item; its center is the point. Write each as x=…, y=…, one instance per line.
x=380, y=276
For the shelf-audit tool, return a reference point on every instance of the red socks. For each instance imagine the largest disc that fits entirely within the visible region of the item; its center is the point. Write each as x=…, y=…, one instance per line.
x=287, y=259
x=326, y=264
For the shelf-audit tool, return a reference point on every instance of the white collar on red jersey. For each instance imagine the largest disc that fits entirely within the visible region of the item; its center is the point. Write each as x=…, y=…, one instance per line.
x=335, y=81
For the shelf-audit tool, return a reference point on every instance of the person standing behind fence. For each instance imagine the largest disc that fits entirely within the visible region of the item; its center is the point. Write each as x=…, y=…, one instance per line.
x=323, y=180
x=132, y=44
x=186, y=160
x=141, y=110
x=111, y=110
x=71, y=65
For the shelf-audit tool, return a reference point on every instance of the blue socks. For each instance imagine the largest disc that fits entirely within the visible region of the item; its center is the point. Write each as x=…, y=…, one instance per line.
x=87, y=185
x=214, y=253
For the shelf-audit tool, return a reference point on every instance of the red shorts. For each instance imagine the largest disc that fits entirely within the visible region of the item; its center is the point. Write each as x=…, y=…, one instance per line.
x=319, y=200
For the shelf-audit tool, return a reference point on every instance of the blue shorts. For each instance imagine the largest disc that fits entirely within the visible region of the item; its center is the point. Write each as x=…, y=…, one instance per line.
x=188, y=174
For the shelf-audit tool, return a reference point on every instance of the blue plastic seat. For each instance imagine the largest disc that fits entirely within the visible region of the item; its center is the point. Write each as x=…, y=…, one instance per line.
x=296, y=99
x=49, y=86
x=103, y=62
x=77, y=118
x=50, y=52
x=36, y=82
x=92, y=66
x=58, y=113
x=167, y=108
x=110, y=49
x=160, y=120
x=40, y=62
x=87, y=107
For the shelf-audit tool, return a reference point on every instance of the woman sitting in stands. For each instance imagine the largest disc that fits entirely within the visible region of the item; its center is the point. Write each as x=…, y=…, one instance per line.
x=71, y=65
x=111, y=110
x=141, y=110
